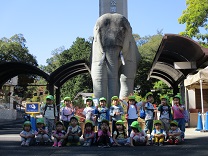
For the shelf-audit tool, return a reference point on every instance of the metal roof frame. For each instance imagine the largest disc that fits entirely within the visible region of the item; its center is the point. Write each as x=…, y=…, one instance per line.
x=177, y=48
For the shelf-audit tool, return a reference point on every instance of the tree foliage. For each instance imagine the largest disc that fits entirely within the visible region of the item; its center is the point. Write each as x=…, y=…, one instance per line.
x=195, y=17
x=80, y=50
x=147, y=50
x=14, y=50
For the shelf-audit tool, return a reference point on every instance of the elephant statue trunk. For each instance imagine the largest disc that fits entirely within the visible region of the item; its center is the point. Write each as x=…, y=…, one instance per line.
x=115, y=57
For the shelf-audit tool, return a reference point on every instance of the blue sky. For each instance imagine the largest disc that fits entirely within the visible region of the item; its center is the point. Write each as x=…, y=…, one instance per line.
x=50, y=24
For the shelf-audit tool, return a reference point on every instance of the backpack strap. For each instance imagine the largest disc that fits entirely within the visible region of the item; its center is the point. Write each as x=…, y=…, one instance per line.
x=53, y=110
x=45, y=109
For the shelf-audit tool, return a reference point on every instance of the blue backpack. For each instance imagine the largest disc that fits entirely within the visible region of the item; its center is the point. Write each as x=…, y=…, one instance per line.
x=142, y=113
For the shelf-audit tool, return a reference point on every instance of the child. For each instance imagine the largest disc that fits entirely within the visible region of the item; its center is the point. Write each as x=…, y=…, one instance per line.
x=88, y=133
x=137, y=135
x=50, y=114
x=178, y=114
x=74, y=132
x=27, y=134
x=104, y=135
x=59, y=134
x=89, y=111
x=158, y=134
x=116, y=111
x=174, y=134
x=165, y=113
x=132, y=111
x=149, y=111
x=103, y=112
x=119, y=135
x=42, y=132
x=67, y=111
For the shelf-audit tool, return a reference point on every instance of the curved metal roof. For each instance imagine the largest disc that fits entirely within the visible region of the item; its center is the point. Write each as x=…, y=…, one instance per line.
x=57, y=78
x=11, y=69
x=67, y=71
x=176, y=48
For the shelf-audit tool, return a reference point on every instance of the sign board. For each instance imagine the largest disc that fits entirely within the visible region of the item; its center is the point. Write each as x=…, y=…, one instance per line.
x=32, y=107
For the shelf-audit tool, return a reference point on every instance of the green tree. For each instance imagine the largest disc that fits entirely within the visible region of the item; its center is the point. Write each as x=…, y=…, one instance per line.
x=195, y=17
x=147, y=48
x=14, y=50
x=80, y=50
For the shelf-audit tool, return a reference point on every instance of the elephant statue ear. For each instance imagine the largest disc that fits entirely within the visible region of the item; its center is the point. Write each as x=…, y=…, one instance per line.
x=127, y=40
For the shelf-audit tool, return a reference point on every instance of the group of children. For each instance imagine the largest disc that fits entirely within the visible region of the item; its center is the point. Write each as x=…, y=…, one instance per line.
x=68, y=131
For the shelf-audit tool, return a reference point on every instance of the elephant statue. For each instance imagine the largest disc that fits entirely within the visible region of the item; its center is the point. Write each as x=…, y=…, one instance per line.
x=114, y=57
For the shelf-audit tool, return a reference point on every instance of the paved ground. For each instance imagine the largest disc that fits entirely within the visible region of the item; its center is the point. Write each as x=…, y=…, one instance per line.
x=196, y=143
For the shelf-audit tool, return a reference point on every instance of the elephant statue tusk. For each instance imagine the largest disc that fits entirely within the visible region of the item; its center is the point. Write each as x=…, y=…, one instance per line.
x=102, y=59
x=122, y=58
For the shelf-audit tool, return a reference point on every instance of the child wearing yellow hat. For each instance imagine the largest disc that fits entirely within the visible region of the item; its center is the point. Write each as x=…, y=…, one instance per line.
x=27, y=134
x=174, y=134
x=165, y=113
x=50, y=114
x=137, y=135
x=67, y=111
x=103, y=111
x=116, y=111
x=119, y=135
x=90, y=110
x=41, y=134
x=88, y=134
x=158, y=134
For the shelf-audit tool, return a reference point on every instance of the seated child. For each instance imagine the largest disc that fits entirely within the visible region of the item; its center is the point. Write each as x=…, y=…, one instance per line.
x=119, y=135
x=41, y=134
x=88, y=133
x=74, y=132
x=104, y=134
x=174, y=133
x=59, y=134
x=158, y=134
x=27, y=134
x=137, y=135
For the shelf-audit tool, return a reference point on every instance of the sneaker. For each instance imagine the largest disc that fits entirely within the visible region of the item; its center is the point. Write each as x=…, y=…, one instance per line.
x=27, y=144
x=85, y=144
x=37, y=143
x=88, y=144
x=23, y=143
x=101, y=145
x=78, y=144
x=170, y=141
x=127, y=144
x=176, y=141
x=106, y=146
x=156, y=144
x=59, y=144
x=114, y=144
x=55, y=144
x=45, y=143
x=50, y=140
x=160, y=144
x=68, y=144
